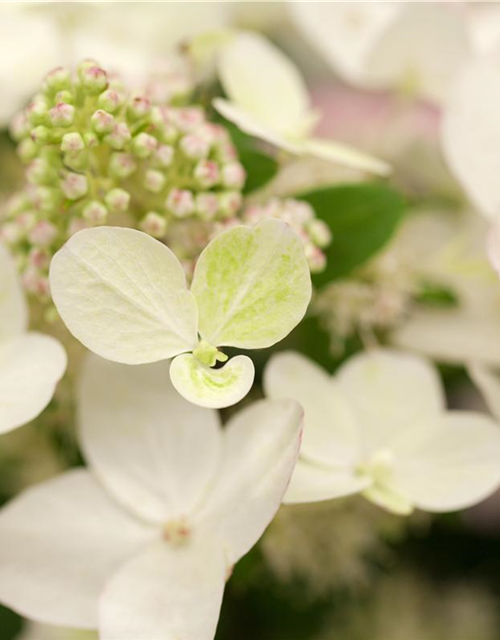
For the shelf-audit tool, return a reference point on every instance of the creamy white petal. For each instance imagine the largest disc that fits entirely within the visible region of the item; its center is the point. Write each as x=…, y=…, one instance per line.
x=390, y=499
x=154, y=451
x=331, y=435
x=345, y=155
x=389, y=390
x=13, y=309
x=252, y=285
x=212, y=388
x=123, y=294
x=488, y=384
x=172, y=593
x=259, y=78
x=314, y=483
x=31, y=365
x=59, y=544
x=471, y=132
x=260, y=452
x=448, y=463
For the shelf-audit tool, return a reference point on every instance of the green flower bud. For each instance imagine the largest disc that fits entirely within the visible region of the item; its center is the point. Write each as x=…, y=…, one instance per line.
x=119, y=137
x=95, y=212
x=121, y=165
x=41, y=172
x=117, y=200
x=37, y=111
x=154, y=181
x=64, y=96
x=40, y=135
x=56, y=80
x=139, y=107
x=92, y=77
x=90, y=139
x=143, y=145
x=110, y=100
x=46, y=198
x=72, y=142
x=62, y=115
x=74, y=186
x=102, y=121
x=19, y=127
x=163, y=156
x=154, y=224
x=27, y=150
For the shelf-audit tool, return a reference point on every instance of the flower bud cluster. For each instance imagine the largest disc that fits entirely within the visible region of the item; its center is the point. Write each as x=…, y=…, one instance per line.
x=299, y=214
x=96, y=155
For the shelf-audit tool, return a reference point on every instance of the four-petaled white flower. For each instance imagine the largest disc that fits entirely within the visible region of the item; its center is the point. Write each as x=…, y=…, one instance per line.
x=380, y=427
x=268, y=98
x=141, y=545
x=31, y=364
x=124, y=296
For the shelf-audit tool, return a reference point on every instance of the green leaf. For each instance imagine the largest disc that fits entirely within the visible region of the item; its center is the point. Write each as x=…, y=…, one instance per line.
x=362, y=218
x=260, y=167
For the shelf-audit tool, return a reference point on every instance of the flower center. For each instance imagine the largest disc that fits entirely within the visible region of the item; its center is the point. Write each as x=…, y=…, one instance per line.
x=207, y=354
x=176, y=532
x=378, y=466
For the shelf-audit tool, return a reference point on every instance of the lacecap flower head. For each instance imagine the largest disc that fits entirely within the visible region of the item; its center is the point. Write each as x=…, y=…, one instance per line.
x=123, y=294
x=97, y=153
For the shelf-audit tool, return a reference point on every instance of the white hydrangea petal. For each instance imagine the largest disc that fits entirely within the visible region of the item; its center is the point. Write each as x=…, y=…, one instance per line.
x=330, y=431
x=252, y=285
x=31, y=365
x=59, y=544
x=448, y=463
x=455, y=335
x=314, y=483
x=153, y=450
x=212, y=388
x=123, y=294
x=471, y=132
x=166, y=592
x=488, y=384
x=387, y=390
x=13, y=308
x=260, y=451
x=259, y=78
x=345, y=155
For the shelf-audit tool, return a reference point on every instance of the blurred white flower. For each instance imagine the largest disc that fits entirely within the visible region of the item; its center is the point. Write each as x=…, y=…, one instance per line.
x=141, y=545
x=123, y=294
x=267, y=98
x=31, y=364
x=380, y=427
x=412, y=47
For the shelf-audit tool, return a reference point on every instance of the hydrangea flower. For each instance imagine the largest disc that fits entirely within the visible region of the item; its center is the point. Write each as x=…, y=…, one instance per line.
x=124, y=296
x=142, y=543
x=267, y=98
x=380, y=428
x=31, y=364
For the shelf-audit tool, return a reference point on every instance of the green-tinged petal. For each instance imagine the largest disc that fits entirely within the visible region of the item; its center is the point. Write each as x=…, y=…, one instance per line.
x=389, y=499
x=124, y=295
x=214, y=388
x=13, y=310
x=257, y=77
x=345, y=155
x=252, y=286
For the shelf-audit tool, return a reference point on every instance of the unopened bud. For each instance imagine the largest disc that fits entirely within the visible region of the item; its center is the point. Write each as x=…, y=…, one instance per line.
x=110, y=100
x=74, y=186
x=189, y=118
x=39, y=258
x=43, y=233
x=143, y=145
x=56, y=80
x=154, y=181
x=207, y=205
x=72, y=143
x=40, y=135
x=92, y=77
x=95, y=212
x=102, y=122
x=117, y=200
x=90, y=139
x=230, y=203
x=315, y=258
x=27, y=150
x=46, y=198
x=207, y=173
x=154, y=224
x=233, y=175
x=180, y=202
x=119, y=137
x=163, y=156
x=37, y=111
x=122, y=165
x=139, y=107
x=40, y=172
x=19, y=127
x=319, y=233
x=194, y=146
x=62, y=115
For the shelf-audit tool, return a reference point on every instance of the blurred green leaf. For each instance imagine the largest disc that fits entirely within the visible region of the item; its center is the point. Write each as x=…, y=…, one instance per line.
x=362, y=218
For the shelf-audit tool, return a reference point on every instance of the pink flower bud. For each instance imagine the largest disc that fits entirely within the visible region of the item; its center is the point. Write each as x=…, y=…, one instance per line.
x=207, y=173
x=154, y=224
x=102, y=122
x=315, y=258
x=72, y=143
x=189, y=118
x=110, y=100
x=233, y=175
x=230, y=203
x=43, y=233
x=139, y=107
x=154, y=181
x=143, y=145
x=117, y=200
x=122, y=165
x=74, y=186
x=207, y=205
x=11, y=233
x=194, y=146
x=93, y=78
x=180, y=202
x=34, y=282
x=62, y=115
x=39, y=259
x=163, y=156
x=95, y=213
x=56, y=80
x=119, y=137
